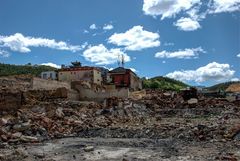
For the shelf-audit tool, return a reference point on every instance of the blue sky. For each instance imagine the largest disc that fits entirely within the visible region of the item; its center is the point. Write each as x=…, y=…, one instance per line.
x=195, y=41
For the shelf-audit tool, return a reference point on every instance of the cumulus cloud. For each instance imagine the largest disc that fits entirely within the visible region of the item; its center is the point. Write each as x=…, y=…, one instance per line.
x=187, y=24
x=211, y=72
x=93, y=27
x=135, y=39
x=235, y=79
x=181, y=54
x=238, y=55
x=196, y=10
x=4, y=53
x=107, y=27
x=218, y=6
x=100, y=55
x=167, y=8
x=21, y=43
x=51, y=65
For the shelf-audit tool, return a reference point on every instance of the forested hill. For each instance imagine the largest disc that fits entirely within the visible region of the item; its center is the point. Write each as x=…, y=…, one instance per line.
x=164, y=83
x=221, y=86
x=8, y=69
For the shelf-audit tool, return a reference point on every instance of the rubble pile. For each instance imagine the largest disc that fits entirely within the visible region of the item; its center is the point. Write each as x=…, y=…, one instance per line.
x=47, y=114
x=41, y=115
x=53, y=119
x=19, y=82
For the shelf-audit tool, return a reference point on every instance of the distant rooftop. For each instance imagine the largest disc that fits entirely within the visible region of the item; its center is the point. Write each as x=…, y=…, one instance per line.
x=79, y=68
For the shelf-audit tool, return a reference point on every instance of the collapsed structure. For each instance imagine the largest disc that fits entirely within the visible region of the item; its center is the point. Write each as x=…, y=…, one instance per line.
x=187, y=127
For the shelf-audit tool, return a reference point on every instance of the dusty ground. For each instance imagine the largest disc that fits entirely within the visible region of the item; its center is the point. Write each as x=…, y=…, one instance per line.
x=118, y=149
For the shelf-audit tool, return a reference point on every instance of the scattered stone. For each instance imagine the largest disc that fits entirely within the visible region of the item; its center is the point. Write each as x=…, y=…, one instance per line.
x=28, y=138
x=17, y=135
x=59, y=112
x=192, y=101
x=40, y=155
x=88, y=148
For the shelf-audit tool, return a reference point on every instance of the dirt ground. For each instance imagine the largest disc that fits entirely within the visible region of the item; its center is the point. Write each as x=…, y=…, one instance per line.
x=119, y=149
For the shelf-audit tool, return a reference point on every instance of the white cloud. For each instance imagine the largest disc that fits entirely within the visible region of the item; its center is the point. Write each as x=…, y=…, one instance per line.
x=196, y=10
x=134, y=70
x=219, y=6
x=238, y=55
x=135, y=39
x=167, y=8
x=85, y=31
x=4, y=53
x=108, y=27
x=93, y=27
x=20, y=43
x=211, y=72
x=84, y=45
x=168, y=44
x=187, y=24
x=100, y=55
x=51, y=65
x=181, y=54
x=235, y=79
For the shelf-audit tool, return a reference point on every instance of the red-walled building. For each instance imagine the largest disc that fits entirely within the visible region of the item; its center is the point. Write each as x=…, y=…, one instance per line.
x=123, y=77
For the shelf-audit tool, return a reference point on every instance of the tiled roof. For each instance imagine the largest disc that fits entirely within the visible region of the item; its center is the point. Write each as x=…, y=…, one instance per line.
x=119, y=70
x=78, y=69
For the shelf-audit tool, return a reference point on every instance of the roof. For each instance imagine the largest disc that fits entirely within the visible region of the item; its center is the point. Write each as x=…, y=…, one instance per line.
x=50, y=71
x=78, y=69
x=234, y=88
x=119, y=70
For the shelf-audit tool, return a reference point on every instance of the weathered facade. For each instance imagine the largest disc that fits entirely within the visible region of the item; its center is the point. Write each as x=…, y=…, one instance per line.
x=52, y=75
x=123, y=77
x=90, y=74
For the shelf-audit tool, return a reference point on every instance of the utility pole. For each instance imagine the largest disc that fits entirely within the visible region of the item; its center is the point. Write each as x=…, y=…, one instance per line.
x=118, y=61
x=123, y=61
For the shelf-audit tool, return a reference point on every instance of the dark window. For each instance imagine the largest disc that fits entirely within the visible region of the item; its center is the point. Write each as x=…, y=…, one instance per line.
x=44, y=76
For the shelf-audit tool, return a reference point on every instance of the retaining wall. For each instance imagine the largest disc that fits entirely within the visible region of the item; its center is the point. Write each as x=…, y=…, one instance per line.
x=91, y=95
x=38, y=83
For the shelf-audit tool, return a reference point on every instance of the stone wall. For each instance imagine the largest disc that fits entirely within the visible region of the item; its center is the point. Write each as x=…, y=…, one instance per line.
x=100, y=95
x=38, y=83
x=73, y=95
x=16, y=82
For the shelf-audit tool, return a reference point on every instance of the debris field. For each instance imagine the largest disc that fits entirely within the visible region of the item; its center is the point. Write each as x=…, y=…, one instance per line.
x=161, y=125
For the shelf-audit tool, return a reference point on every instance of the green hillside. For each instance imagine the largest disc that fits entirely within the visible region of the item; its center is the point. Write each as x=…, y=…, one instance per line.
x=8, y=69
x=220, y=86
x=163, y=83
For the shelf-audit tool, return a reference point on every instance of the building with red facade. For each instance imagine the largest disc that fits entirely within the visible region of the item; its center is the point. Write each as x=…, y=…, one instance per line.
x=123, y=77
